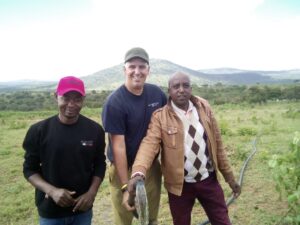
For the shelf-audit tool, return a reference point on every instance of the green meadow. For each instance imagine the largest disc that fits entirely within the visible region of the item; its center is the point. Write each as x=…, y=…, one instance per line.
x=272, y=124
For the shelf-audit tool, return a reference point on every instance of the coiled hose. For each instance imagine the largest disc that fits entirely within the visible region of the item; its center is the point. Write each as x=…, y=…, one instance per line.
x=139, y=200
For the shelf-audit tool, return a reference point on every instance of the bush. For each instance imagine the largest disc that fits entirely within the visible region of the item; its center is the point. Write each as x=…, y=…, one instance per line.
x=224, y=127
x=17, y=125
x=292, y=113
x=286, y=170
x=245, y=131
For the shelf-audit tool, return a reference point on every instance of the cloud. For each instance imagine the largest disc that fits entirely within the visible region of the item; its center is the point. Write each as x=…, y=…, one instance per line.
x=195, y=33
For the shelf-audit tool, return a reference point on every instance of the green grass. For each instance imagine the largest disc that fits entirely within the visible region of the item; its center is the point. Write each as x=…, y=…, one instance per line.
x=259, y=202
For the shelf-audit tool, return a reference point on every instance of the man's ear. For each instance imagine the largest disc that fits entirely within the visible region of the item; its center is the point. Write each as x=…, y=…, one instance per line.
x=55, y=95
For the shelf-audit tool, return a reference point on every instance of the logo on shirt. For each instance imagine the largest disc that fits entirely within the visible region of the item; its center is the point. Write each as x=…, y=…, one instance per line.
x=87, y=143
x=153, y=104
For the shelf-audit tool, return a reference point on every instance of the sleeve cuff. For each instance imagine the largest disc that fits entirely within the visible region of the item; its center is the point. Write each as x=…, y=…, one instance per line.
x=138, y=174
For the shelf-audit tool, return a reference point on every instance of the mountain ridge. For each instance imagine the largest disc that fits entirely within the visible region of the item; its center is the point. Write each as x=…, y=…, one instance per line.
x=160, y=70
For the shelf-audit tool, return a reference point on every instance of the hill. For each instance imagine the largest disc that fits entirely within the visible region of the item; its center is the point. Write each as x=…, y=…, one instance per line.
x=237, y=76
x=21, y=85
x=111, y=78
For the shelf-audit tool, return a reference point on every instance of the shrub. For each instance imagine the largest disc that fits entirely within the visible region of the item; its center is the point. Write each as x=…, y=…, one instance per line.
x=224, y=127
x=254, y=119
x=292, y=113
x=286, y=170
x=17, y=125
x=245, y=131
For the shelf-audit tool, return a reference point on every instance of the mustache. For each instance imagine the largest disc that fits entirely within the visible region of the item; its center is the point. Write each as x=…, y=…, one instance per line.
x=182, y=95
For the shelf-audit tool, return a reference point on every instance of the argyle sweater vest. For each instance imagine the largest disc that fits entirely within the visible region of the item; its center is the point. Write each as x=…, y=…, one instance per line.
x=197, y=163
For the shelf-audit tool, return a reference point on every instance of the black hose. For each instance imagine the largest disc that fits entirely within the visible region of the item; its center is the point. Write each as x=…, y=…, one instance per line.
x=240, y=182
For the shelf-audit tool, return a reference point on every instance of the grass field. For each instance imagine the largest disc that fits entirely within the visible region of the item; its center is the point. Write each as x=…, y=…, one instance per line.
x=274, y=123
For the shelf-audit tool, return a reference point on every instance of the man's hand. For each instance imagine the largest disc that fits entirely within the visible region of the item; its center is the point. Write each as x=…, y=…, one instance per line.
x=236, y=188
x=62, y=197
x=125, y=202
x=84, y=202
x=132, y=184
x=129, y=194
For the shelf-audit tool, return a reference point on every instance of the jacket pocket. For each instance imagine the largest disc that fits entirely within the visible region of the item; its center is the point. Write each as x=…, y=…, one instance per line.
x=169, y=136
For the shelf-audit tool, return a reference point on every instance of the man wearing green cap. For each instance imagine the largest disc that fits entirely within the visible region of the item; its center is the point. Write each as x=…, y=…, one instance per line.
x=126, y=115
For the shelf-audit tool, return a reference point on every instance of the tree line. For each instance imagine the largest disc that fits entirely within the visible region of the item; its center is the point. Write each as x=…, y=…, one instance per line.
x=216, y=94
x=220, y=94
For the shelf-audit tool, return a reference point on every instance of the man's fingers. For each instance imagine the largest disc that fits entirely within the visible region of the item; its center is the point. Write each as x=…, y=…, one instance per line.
x=76, y=208
x=72, y=192
x=128, y=201
x=128, y=207
x=67, y=199
x=81, y=204
x=64, y=203
x=236, y=190
x=77, y=205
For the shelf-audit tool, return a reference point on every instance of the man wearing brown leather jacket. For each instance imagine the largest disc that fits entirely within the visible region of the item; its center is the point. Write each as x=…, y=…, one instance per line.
x=186, y=134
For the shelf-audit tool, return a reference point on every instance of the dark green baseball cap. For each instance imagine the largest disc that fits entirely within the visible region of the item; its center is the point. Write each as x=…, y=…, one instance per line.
x=137, y=53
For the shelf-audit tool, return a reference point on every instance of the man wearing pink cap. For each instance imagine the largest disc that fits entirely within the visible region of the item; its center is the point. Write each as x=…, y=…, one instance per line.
x=64, y=159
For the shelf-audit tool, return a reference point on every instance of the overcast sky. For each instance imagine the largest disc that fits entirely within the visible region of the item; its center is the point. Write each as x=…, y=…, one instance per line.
x=48, y=39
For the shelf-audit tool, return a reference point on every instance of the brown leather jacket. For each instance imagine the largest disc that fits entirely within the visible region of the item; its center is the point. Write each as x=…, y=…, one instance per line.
x=166, y=133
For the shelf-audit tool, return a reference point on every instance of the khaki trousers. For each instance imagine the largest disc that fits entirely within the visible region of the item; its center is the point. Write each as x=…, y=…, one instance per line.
x=153, y=189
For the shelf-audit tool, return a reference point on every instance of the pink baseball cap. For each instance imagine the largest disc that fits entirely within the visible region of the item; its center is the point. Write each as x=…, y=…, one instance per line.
x=70, y=83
